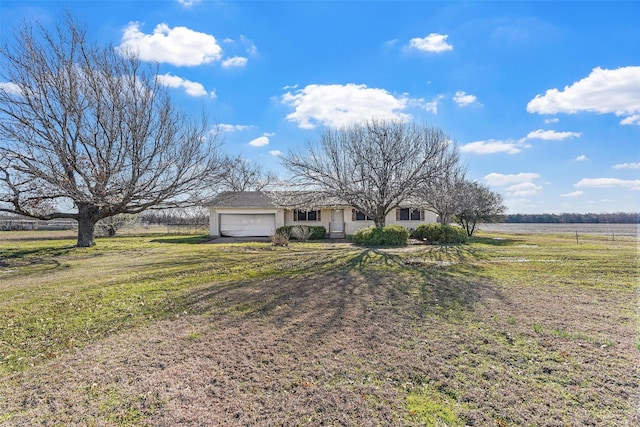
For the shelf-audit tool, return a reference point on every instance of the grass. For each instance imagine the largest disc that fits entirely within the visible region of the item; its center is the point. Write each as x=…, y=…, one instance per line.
x=156, y=329
x=433, y=409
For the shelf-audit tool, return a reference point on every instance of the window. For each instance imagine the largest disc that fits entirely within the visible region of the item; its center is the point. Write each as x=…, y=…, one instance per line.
x=306, y=215
x=406, y=214
x=359, y=216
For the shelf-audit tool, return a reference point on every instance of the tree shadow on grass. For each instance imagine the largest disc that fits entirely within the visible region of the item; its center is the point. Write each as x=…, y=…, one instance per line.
x=42, y=258
x=370, y=287
x=495, y=241
x=447, y=278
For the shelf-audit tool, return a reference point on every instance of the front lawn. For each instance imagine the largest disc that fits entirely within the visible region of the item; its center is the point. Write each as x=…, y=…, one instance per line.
x=165, y=330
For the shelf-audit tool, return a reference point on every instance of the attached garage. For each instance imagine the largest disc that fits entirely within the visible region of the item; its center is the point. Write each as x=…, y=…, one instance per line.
x=247, y=225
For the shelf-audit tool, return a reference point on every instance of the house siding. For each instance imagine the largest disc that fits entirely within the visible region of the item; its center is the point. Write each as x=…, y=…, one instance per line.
x=353, y=226
x=325, y=219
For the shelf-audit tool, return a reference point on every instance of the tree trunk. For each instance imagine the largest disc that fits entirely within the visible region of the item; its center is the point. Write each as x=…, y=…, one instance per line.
x=380, y=219
x=86, y=226
x=473, y=228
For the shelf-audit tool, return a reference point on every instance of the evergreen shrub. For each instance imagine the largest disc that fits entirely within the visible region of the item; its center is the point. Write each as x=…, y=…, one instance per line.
x=442, y=234
x=389, y=235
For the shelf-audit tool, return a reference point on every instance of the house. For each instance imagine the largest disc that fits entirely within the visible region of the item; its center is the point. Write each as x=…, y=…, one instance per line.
x=257, y=213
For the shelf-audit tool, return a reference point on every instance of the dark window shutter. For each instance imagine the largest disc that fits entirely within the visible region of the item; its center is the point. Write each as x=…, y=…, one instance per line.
x=319, y=219
x=353, y=214
x=398, y=214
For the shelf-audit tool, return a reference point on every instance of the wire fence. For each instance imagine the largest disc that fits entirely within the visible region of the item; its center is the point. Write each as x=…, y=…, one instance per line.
x=188, y=229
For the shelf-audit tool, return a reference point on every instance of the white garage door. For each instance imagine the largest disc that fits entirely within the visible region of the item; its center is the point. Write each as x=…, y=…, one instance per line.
x=245, y=225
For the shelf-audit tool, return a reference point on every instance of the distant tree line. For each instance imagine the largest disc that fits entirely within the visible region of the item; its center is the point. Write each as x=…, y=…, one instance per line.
x=575, y=218
x=192, y=216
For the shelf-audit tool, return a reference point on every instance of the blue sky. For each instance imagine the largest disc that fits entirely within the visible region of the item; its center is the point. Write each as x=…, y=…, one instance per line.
x=543, y=98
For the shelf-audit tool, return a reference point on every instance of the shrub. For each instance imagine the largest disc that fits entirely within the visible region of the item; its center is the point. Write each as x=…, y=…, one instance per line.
x=318, y=231
x=300, y=232
x=395, y=235
x=390, y=235
x=442, y=234
x=280, y=239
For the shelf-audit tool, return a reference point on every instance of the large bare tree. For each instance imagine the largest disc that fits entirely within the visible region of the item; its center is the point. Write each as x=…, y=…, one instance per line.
x=442, y=195
x=477, y=204
x=87, y=132
x=239, y=174
x=374, y=166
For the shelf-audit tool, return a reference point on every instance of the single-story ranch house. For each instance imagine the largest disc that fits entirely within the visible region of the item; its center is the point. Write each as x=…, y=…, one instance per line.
x=256, y=213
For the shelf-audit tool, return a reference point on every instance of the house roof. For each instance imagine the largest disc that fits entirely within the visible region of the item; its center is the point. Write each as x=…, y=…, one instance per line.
x=283, y=199
x=273, y=199
x=243, y=199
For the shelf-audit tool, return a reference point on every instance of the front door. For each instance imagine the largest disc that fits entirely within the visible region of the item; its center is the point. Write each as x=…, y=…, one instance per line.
x=337, y=221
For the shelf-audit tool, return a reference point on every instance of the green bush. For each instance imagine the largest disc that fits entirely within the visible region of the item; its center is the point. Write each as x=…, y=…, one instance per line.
x=390, y=235
x=442, y=234
x=319, y=232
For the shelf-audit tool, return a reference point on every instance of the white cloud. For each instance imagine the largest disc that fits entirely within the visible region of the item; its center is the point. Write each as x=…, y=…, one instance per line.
x=434, y=42
x=236, y=61
x=520, y=184
x=633, y=165
x=191, y=88
x=340, y=105
x=389, y=44
x=502, y=179
x=260, y=141
x=552, y=135
x=10, y=88
x=178, y=46
x=249, y=46
x=243, y=43
x=573, y=194
x=551, y=120
x=188, y=3
x=580, y=158
x=232, y=128
x=523, y=189
x=608, y=183
x=463, y=99
x=603, y=91
x=493, y=146
x=631, y=120
x=428, y=106
x=276, y=153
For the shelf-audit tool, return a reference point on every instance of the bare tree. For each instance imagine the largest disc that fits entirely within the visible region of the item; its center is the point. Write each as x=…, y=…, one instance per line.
x=240, y=174
x=443, y=195
x=87, y=133
x=374, y=166
x=109, y=226
x=478, y=203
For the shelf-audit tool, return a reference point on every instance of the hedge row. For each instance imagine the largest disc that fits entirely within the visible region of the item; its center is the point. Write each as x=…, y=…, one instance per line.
x=390, y=235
